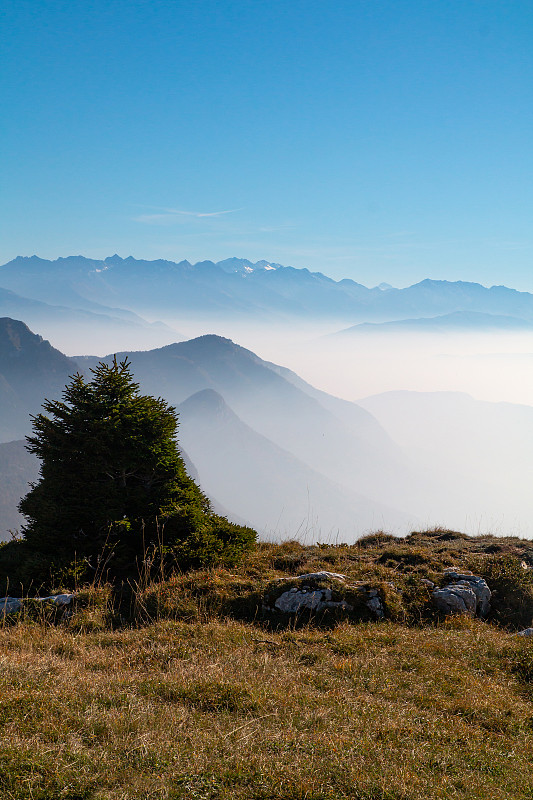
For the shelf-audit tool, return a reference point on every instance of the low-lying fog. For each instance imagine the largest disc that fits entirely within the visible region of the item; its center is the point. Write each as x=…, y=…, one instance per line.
x=477, y=448
x=488, y=365
x=459, y=405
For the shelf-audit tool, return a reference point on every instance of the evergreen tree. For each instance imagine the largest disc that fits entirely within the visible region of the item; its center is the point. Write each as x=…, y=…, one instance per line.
x=114, y=487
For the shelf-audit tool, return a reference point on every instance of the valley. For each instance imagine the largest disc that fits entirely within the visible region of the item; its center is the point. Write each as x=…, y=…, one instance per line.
x=291, y=452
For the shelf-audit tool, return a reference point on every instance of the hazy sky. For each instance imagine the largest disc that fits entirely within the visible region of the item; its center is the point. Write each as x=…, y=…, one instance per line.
x=383, y=140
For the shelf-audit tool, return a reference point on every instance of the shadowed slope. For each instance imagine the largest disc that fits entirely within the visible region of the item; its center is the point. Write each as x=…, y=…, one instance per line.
x=18, y=469
x=356, y=453
x=273, y=490
x=30, y=369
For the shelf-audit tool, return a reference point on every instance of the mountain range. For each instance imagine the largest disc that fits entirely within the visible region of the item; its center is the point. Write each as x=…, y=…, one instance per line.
x=85, y=321
x=276, y=492
x=311, y=426
x=455, y=322
x=339, y=440
x=255, y=439
x=159, y=289
x=271, y=449
x=275, y=452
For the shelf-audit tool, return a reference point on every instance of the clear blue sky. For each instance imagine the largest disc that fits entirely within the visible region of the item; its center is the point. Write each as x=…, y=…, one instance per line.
x=383, y=140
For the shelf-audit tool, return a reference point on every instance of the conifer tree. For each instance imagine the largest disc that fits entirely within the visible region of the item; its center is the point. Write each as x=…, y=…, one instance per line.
x=113, y=484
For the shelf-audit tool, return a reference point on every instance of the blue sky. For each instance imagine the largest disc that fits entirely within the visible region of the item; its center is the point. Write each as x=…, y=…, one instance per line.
x=381, y=140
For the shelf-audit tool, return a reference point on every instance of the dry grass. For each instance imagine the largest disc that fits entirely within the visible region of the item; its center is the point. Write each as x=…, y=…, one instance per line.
x=194, y=704
x=379, y=559
x=223, y=710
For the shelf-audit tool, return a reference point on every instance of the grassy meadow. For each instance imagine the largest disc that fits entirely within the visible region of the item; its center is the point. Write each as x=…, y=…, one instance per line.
x=180, y=689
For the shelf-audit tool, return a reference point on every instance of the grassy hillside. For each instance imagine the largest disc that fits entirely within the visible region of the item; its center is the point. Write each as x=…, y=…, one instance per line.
x=180, y=690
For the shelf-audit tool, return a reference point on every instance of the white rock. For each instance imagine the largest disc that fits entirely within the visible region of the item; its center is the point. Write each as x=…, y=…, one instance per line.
x=457, y=598
x=10, y=605
x=291, y=602
x=58, y=599
x=308, y=596
x=527, y=632
x=477, y=584
x=316, y=600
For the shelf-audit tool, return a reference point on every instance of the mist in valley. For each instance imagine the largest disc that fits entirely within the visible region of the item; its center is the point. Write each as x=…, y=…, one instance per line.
x=315, y=426
x=494, y=365
x=490, y=366
x=454, y=412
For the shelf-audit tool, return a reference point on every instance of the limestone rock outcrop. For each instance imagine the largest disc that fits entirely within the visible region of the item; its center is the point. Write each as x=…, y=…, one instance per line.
x=320, y=592
x=11, y=605
x=462, y=593
x=457, y=598
x=527, y=632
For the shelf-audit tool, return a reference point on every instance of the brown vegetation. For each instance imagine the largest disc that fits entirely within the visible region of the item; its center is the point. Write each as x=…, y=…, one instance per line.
x=178, y=692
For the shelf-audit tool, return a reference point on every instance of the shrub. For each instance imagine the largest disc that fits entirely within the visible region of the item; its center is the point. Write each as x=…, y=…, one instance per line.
x=377, y=539
x=512, y=589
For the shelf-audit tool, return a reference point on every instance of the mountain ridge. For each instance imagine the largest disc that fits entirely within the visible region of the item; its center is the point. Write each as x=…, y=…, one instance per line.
x=455, y=320
x=276, y=413
x=30, y=369
x=358, y=450
x=238, y=286
x=276, y=491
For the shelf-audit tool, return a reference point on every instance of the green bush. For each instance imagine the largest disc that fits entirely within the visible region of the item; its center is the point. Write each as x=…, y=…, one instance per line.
x=512, y=589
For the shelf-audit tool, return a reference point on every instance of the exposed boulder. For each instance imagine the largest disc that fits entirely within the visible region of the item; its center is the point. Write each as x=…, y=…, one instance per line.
x=296, y=600
x=320, y=593
x=457, y=598
x=374, y=604
x=11, y=605
x=527, y=632
x=477, y=584
x=462, y=593
x=58, y=599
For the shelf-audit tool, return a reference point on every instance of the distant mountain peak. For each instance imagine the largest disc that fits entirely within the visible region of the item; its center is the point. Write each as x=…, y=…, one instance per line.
x=210, y=340
x=240, y=287
x=19, y=343
x=210, y=344
x=244, y=267
x=15, y=336
x=463, y=320
x=114, y=259
x=206, y=400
